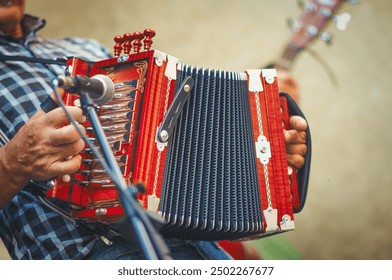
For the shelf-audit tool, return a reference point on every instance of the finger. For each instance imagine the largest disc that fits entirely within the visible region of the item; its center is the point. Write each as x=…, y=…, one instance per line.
x=65, y=135
x=70, y=166
x=299, y=149
x=66, y=178
x=298, y=123
x=294, y=137
x=295, y=160
x=67, y=151
x=57, y=117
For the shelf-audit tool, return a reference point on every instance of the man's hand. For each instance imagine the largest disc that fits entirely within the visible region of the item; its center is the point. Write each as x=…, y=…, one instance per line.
x=46, y=146
x=295, y=139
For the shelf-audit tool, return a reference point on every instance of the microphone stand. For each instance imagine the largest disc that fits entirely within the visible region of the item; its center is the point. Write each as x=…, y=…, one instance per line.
x=136, y=220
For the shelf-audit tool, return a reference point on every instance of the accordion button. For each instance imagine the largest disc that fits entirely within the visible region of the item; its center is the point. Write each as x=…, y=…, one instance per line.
x=128, y=38
x=149, y=34
x=137, y=44
x=118, y=46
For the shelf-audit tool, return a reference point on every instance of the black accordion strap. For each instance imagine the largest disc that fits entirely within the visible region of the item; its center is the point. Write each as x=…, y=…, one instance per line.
x=303, y=173
x=58, y=61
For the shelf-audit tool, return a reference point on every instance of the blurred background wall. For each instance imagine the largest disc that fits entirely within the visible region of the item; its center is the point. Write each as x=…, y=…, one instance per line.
x=348, y=209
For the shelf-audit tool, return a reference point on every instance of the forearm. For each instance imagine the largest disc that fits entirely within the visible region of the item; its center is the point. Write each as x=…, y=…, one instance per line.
x=10, y=182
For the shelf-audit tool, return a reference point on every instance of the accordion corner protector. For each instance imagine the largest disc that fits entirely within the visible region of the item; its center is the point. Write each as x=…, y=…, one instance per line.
x=287, y=223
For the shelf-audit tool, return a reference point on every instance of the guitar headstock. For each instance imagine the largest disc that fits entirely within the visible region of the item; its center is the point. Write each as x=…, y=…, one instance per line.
x=316, y=14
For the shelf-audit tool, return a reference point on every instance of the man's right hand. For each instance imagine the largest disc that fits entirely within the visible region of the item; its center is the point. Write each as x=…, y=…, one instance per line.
x=46, y=146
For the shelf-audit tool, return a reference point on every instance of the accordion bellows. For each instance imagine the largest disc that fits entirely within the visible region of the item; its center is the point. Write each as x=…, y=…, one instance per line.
x=217, y=169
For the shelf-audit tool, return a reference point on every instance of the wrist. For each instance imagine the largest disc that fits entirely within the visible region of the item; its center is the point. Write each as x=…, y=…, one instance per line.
x=10, y=176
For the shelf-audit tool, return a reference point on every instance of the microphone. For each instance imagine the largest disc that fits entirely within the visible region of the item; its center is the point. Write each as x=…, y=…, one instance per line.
x=100, y=88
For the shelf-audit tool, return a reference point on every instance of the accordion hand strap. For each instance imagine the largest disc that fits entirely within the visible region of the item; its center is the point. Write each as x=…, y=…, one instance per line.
x=303, y=173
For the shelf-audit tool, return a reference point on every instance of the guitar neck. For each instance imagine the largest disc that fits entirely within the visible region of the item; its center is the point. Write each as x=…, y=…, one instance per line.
x=287, y=58
x=316, y=14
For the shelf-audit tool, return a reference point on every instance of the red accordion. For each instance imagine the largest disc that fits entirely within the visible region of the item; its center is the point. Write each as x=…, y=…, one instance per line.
x=207, y=146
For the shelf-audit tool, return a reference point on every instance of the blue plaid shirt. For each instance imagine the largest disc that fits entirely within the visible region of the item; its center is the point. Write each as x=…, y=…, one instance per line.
x=29, y=227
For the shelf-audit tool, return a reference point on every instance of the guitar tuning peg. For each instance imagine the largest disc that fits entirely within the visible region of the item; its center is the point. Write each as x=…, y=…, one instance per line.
x=301, y=3
x=342, y=20
x=326, y=37
x=293, y=24
x=290, y=22
x=309, y=7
